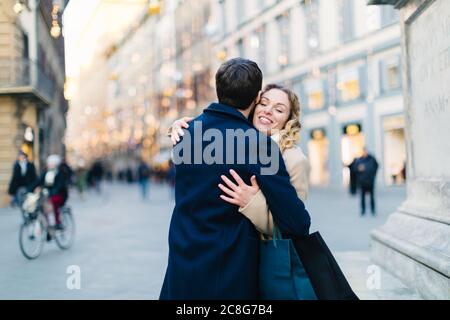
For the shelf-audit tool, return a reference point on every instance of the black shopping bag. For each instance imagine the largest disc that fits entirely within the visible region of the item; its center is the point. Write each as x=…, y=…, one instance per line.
x=327, y=279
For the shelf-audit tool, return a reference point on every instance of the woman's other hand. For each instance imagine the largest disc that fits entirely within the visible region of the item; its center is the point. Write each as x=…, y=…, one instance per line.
x=176, y=130
x=240, y=194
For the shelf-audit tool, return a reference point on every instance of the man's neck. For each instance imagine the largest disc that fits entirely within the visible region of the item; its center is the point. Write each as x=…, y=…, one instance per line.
x=246, y=112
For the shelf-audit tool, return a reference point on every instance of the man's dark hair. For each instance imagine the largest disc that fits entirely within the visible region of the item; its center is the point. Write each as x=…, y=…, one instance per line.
x=238, y=82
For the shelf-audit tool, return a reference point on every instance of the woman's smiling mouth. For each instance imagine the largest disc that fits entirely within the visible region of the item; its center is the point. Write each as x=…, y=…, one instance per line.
x=265, y=120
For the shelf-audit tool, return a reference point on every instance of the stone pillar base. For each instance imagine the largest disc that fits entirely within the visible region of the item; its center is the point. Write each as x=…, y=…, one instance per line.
x=417, y=251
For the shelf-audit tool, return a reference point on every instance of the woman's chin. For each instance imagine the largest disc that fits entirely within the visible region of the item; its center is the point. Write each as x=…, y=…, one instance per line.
x=262, y=128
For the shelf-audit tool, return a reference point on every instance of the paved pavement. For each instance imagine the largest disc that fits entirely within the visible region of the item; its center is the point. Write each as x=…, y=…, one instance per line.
x=121, y=246
x=336, y=215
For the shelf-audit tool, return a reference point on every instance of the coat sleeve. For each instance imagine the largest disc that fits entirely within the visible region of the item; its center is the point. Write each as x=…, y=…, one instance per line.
x=288, y=210
x=59, y=184
x=12, y=188
x=40, y=181
x=257, y=210
x=33, y=175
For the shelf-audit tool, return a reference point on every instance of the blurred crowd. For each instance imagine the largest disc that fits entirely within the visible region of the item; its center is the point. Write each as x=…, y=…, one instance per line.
x=84, y=177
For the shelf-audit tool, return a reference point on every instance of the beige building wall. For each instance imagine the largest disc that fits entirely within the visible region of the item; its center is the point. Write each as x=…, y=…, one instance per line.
x=21, y=110
x=10, y=47
x=12, y=126
x=8, y=128
x=10, y=37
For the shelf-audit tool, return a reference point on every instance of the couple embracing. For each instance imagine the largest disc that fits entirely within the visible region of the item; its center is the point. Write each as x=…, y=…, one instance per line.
x=224, y=208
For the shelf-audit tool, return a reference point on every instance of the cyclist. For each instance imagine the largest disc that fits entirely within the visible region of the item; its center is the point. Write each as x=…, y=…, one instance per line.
x=55, y=180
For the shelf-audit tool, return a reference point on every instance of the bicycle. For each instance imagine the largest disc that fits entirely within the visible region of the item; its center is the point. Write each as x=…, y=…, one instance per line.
x=36, y=228
x=18, y=200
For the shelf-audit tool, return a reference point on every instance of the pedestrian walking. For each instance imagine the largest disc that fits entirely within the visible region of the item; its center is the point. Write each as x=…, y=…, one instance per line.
x=143, y=174
x=366, y=167
x=81, y=176
x=353, y=177
x=23, y=177
x=129, y=174
x=97, y=175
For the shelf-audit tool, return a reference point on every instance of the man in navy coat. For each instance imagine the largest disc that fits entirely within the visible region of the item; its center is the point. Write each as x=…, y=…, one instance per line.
x=213, y=249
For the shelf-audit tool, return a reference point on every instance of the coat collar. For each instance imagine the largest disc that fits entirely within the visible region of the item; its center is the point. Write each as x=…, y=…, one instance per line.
x=227, y=110
x=276, y=137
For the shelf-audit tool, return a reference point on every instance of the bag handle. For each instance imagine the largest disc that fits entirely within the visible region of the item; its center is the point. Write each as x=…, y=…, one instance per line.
x=276, y=235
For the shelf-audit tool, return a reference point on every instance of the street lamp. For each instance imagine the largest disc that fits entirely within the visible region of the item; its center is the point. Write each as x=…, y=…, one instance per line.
x=55, y=30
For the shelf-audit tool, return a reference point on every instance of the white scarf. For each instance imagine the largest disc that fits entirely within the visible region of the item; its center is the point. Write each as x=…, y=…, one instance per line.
x=50, y=177
x=23, y=167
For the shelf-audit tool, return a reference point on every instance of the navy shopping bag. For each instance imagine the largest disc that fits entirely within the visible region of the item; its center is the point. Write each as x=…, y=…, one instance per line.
x=327, y=278
x=281, y=272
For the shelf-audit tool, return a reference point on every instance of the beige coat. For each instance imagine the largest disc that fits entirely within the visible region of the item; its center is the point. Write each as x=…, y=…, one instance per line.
x=297, y=165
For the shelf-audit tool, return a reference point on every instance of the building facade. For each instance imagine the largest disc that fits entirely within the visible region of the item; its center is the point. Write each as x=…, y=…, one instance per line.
x=343, y=60
x=103, y=96
x=32, y=103
x=341, y=57
x=159, y=71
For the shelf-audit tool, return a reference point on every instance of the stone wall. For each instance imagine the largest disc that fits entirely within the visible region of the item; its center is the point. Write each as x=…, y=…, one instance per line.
x=414, y=243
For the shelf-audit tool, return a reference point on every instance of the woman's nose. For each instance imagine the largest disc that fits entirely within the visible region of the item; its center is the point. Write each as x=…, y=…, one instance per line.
x=268, y=110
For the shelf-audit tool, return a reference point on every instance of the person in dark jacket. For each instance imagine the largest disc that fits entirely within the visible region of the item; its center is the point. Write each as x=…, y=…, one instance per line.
x=366, y=167
x=353, y=177
x=24, y=176
x=55, y=179
x=68, y=171
x=143, y=178
x=96, y=175
x=213, y=249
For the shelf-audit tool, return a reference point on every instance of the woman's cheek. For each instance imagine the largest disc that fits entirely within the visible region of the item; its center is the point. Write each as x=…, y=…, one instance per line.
x=281, y=121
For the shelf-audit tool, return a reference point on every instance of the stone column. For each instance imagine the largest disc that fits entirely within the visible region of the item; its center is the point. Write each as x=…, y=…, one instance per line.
x=414, y=243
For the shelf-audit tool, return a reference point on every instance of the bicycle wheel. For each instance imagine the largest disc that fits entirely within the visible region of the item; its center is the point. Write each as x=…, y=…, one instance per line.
x=31, y=238
x=64, y=238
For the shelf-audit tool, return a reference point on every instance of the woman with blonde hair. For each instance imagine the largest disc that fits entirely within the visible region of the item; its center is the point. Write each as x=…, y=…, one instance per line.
x=277, y=114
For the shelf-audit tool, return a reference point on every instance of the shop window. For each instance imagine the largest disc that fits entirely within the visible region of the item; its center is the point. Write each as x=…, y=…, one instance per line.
x=347, y=29
x=389, y=15
x=311, y=9
x=394, y=150
x=352, y=146
x=318, y=156
x=283, y=23
x=349, y=85
x=315, y=94
x=390, y=74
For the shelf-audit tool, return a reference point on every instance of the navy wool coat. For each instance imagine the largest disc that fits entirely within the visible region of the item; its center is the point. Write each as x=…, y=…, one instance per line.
x=213, y=249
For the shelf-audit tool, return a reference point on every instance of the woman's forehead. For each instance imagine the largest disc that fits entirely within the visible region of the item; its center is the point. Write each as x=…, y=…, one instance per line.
x=276, y=95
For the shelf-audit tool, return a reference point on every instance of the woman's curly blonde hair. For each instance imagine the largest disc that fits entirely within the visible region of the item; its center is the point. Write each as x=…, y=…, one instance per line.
x=290, y=134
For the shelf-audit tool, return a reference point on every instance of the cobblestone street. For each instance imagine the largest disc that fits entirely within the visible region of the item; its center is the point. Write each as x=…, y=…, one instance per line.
x=121, y=244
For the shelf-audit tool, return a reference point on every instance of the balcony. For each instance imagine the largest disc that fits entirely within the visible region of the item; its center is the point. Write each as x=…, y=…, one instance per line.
x=23, y=77
x=397, y=3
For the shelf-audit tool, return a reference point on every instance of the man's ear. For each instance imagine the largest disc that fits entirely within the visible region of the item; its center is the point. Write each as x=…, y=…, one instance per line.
x=258, y=98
